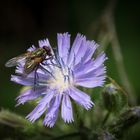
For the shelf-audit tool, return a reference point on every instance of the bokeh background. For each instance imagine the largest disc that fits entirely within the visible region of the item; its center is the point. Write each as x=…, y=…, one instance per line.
x=24, y=22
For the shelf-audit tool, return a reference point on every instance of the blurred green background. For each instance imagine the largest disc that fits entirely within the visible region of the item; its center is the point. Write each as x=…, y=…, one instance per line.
x=24, y=22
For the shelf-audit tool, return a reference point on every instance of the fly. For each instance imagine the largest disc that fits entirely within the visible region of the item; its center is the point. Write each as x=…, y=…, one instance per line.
x=32, y=60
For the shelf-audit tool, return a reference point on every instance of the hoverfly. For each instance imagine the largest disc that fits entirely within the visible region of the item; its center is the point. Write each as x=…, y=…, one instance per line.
x=32, y=60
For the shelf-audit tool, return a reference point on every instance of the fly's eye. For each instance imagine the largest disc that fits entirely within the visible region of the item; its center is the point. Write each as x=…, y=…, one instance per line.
x=46, y=48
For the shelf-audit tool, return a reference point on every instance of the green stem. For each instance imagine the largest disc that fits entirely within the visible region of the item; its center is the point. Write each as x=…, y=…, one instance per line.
x=75, y=134
x=108, y=34
x=106, y=118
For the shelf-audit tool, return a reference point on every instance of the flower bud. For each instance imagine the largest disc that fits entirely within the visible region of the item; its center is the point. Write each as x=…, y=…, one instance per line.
x=113, y=99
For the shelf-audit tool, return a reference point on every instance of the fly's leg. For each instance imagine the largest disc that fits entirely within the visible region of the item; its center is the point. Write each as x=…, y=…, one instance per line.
x=45, y=70
x=51, y=60
x=36, y=77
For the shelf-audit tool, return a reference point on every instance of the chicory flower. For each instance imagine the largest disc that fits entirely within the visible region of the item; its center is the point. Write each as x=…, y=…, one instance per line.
x=59, y=79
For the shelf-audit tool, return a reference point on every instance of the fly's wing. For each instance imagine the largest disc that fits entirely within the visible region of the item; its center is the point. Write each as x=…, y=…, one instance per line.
x=14, y=61
x=30, y=65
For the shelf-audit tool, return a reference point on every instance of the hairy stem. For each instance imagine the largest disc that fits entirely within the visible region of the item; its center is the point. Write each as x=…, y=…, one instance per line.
x=106, y=33
x=117, y=52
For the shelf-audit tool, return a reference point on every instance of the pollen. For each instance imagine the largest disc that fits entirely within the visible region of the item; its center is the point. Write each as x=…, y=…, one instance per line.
x=61, y=80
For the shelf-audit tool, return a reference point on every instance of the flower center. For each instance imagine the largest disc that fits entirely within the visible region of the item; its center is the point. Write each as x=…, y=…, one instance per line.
x=62, y=79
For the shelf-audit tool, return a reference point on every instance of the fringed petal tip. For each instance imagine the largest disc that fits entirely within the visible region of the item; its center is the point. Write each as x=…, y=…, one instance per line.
x=89, y=105
x=15, y=78
x=31, y=119
x=66, y=109
x=68, y=120
x=32, y=48
x=23, y=80
x=81, y=98
x=80, y=36
x=19, y=69
x=49, y=121
x=44, y=42
x=19, y=102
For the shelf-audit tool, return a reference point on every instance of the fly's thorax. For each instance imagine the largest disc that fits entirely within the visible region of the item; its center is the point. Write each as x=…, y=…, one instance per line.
x=39, y=52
